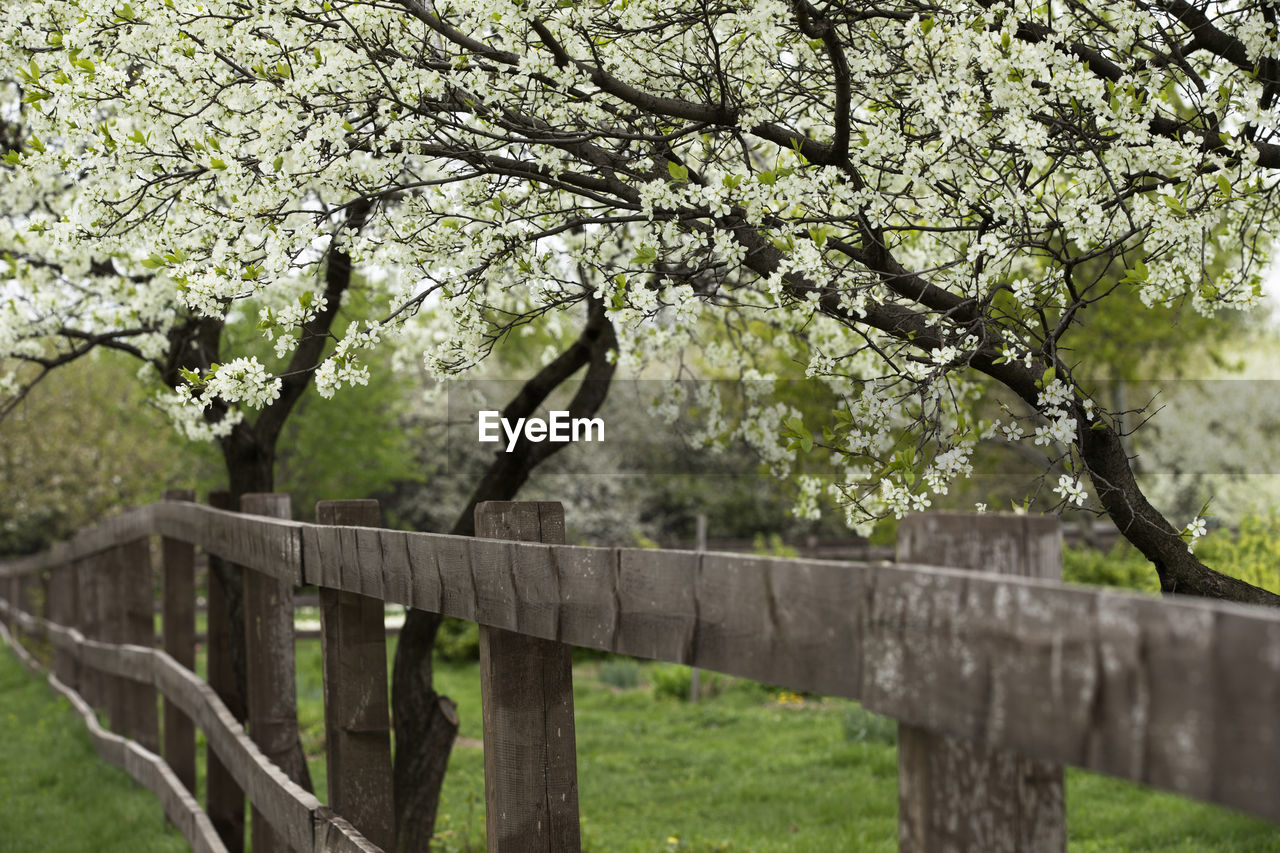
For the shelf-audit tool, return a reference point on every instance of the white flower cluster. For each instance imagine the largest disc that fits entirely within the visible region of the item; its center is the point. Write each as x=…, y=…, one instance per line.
x=1071, y=490
x=242, y=380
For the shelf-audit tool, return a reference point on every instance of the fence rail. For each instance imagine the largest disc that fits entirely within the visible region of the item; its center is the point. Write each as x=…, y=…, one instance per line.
x=1181, y=694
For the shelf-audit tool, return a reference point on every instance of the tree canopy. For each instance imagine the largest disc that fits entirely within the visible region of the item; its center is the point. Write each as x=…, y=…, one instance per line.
x=914, y=194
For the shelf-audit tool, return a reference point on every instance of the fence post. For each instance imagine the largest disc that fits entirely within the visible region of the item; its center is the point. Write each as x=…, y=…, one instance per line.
x=223, y=798
x=137, y=627
x=179, y=626
x=63, y=596
x=109, y=587
x=356, y=717
x=92, y=682
x=954, y=794
x=272, y=698
x=526, y=688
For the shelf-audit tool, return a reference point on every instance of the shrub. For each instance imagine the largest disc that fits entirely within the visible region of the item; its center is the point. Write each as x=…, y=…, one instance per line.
x=458, y=640
x=1123, y=566
x=862, y=726
x=773, y=546
x=623, y=673
x=670, y=679
x=1252, y=554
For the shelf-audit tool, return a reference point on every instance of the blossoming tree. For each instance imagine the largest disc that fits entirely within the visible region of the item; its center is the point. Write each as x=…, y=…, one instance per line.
x=916, y=195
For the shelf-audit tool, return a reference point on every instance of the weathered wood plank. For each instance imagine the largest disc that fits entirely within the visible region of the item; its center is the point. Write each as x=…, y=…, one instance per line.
x=111, y=629
x=224, y=798
x=357, y=719
x=334, y=834
x=526, y=685
x=270, y=547
x=425, y=586
x=657, y=604
x=92, y=686
x=63, y=607
x=283, y=803
x=272, y=698
x=588, y=583
x=397, y=579
x=113, y=532
x=1070, y=676
x=138, y=600
x=179, y=627
x=958, y=793
x=1246, y=693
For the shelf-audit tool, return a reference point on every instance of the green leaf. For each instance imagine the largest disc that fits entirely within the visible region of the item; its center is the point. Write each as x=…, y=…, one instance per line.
x=680, y=174
x=154, y=262
x=1174, y=205
x=1047, y=377
x=215, y=163
x=619, y=300
x=645, y=255
x=1137, y=275
x=1224, y=186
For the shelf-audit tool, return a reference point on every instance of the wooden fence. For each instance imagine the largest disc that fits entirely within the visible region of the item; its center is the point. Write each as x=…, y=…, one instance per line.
x=997, y=677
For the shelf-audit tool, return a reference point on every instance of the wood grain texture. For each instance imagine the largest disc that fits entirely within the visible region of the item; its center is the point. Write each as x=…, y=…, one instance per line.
x=526, y=685
x=271, y=681
x=111, y=629
x=1064, y=674
x=64, y=596
x=178, y=623
x=138, y=600
x=87, y=578
x=354, y=654
x=224, y=798
x=959, y=793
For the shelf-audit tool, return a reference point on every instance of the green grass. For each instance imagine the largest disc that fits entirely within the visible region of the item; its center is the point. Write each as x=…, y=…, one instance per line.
x=744, y=771
x=55, y=795
x=748, y=770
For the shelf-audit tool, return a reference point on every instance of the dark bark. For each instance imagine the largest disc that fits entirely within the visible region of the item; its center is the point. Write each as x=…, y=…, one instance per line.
x=1142, y=524
x=426, y=723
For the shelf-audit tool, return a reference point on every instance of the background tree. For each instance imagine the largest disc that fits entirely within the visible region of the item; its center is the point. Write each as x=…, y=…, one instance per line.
x=82, y=445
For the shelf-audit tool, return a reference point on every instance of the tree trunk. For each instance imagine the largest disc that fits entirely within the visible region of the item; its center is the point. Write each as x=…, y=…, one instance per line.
x=1142, y=524
x=426, y=725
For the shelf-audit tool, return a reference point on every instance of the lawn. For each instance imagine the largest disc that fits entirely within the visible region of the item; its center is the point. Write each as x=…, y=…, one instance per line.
x=55, y=795
x=749, y=769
